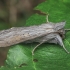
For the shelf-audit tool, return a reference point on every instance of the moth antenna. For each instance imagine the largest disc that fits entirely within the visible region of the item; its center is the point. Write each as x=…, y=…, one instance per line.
x=67, y=29
x=47, y=18
x=36, y=47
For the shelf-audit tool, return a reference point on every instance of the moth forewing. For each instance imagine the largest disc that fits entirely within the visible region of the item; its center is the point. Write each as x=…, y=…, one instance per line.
x=21, y=34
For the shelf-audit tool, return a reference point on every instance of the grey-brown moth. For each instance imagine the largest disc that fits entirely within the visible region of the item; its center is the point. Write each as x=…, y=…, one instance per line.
x=46, y=32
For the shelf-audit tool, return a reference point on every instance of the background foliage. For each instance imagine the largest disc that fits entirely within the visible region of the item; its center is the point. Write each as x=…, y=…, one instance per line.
x=46, y=56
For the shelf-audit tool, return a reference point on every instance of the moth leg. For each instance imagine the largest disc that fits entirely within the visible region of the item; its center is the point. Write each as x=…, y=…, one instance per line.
x=47, y=18
x=36, y=47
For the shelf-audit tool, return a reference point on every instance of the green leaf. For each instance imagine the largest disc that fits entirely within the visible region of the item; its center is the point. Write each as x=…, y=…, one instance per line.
x=46, y=56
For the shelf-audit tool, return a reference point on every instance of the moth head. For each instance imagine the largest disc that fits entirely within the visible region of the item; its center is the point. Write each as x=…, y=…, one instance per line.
x=59, y=27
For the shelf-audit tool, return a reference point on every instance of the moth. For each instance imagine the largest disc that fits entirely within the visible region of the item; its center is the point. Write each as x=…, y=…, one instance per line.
x=46, y=32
